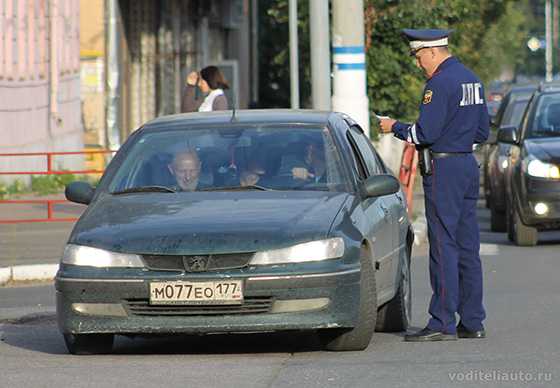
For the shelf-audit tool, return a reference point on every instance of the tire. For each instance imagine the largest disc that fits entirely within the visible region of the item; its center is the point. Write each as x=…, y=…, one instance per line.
x=524, y=235
x=509, y=223
x=497, y=220
x=86, y=344
x=395, y=315
x=359, y=337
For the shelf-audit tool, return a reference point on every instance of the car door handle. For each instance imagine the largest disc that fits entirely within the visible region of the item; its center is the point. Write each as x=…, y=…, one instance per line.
x=385, y=211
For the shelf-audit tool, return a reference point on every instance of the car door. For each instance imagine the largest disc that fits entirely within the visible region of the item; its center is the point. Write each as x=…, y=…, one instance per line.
x=376, y=218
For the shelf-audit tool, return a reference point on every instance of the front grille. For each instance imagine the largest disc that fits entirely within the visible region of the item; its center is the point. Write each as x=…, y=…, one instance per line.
x=203, y=262
x=251, y=305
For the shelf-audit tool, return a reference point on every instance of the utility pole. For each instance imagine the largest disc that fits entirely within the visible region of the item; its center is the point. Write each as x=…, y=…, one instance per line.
x=555, y=27
x=294, y=60
x=349, y=83
x=548, y=52
x=320, y=54
x=112, y=77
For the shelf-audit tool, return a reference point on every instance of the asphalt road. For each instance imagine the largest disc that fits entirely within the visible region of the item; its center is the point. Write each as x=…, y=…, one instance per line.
x=522, y=299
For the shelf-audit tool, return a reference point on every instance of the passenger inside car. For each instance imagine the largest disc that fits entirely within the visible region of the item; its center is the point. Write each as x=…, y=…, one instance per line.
x=252, y=174
x=313, y=168
x=185, y=167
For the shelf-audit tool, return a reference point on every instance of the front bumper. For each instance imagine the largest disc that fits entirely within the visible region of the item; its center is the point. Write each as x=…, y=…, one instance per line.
x=320, y=296
x=538, y=190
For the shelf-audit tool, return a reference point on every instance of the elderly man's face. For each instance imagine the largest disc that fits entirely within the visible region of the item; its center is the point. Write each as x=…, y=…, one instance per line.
x=425, y=60
x=186, y=169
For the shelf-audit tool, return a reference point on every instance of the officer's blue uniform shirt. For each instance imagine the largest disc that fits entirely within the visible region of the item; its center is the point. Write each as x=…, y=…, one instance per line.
x=453, y=112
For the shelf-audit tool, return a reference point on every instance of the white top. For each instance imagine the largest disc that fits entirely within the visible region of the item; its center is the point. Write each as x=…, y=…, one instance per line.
x=418, y=44
x=208, y=102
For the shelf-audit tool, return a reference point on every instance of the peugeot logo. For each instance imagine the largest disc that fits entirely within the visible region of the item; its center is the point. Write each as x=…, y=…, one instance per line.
x=195, y=263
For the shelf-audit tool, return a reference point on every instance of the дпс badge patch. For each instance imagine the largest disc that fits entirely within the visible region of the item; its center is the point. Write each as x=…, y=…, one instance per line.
x=427, y=97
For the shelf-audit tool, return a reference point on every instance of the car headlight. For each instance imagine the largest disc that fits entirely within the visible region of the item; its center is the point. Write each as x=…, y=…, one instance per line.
x=95, y=257
x=332, y=248
x=543, y=170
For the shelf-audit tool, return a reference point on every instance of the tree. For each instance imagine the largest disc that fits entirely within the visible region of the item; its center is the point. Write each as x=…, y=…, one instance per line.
x=489, y=36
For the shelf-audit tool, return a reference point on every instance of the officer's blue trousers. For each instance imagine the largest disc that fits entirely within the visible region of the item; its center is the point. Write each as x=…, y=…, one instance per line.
x=451, y=194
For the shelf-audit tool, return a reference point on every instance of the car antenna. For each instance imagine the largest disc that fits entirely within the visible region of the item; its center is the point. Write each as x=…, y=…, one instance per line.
x=233, y=117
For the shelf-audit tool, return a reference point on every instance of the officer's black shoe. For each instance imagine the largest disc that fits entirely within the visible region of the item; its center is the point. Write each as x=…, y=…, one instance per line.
x=462, y=332
x=427, y=335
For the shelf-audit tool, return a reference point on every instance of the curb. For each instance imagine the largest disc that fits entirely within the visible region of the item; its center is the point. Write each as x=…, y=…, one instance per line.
x=28, y=272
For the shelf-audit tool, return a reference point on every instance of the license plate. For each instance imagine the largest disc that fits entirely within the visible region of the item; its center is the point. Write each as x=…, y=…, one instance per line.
x=197, y=293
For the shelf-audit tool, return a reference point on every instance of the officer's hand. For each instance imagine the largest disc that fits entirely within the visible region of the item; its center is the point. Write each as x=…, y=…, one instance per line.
x=302, y=173
x=386, y=125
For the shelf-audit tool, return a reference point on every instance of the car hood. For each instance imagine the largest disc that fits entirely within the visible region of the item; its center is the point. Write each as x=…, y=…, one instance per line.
x=546, y=149
x=206, y=222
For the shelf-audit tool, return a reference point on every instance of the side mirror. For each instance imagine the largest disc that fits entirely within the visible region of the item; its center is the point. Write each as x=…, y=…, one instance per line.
x=507, y=135
x=79, y=192
x=379, y=185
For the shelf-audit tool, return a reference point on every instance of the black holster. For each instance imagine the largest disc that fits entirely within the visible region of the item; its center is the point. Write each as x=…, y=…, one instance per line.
x=425, y=160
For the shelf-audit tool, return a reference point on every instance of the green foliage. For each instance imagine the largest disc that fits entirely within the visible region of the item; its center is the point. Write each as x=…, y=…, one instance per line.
x=489, y=37
x=53, y=184
x=3, y=191
x=274, y=54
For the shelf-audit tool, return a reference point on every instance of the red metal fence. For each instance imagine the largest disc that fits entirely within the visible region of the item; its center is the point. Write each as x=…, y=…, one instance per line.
x=50, y=170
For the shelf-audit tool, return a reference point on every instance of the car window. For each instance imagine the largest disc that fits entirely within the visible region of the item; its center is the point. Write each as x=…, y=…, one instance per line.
x=502, y=108
x=366, y=150
x=357, y=158
x=546, y=118
x=279, y=158
x=515, y=112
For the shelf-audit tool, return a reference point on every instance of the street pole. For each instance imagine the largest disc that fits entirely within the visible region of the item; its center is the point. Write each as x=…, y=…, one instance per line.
x=349, y=83
x=112, y=76
x=548, y=53
x=294, y=72
x=320, y=54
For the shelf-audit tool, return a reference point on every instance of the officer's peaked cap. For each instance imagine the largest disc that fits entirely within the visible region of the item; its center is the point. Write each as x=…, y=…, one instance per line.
x=419, y=39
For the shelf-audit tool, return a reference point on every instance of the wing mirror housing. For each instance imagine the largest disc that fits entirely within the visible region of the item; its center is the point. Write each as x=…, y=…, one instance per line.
x=379, y=185
x=79, y=192
x=508, y=135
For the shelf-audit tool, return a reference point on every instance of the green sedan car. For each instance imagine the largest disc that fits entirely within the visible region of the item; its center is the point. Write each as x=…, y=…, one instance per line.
x=270, y=220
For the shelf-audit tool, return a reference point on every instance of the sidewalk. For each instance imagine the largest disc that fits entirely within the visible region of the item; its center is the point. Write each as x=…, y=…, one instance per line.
x=31, y=251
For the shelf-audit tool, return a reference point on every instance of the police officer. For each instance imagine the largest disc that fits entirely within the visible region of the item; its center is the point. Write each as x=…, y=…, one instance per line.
x=453, y=116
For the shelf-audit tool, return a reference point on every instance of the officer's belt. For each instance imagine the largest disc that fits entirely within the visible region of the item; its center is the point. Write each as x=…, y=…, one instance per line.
x=441, y=155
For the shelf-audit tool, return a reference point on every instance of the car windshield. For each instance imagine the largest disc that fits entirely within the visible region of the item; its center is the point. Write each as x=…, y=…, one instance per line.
x=231, y=159
x=546, y=121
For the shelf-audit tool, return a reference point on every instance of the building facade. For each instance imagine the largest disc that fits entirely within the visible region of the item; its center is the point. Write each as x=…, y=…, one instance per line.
x=39, y=81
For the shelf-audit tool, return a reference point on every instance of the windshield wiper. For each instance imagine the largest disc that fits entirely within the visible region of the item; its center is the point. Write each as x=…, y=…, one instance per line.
x=146, y=189
x=236, y=188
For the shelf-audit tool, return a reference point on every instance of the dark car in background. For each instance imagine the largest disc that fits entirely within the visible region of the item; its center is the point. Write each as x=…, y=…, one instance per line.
x=259, y=221
x=532, y=177
x=495, y=161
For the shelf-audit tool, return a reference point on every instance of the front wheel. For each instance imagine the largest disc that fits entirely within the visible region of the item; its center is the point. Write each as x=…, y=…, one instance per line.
x=524, y=235
x=358, y=337
x=86, y=344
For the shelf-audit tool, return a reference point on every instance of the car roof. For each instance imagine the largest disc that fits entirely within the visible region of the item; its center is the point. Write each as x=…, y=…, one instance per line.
x=243, y=116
